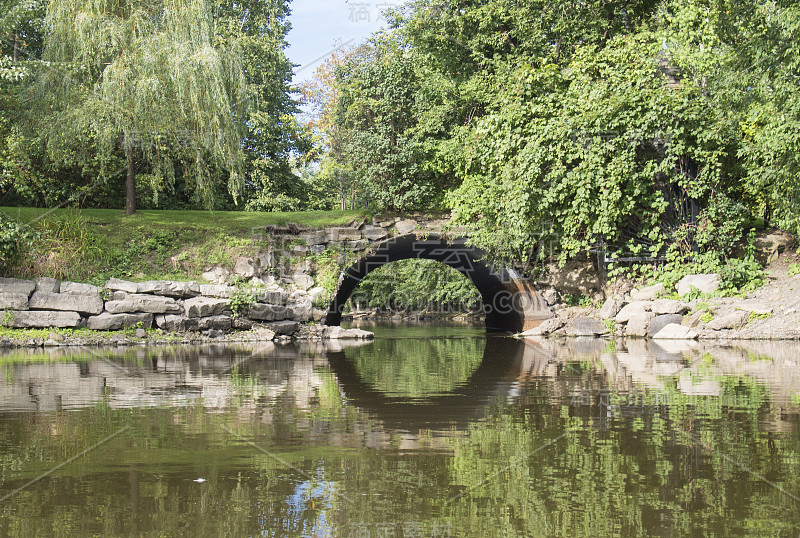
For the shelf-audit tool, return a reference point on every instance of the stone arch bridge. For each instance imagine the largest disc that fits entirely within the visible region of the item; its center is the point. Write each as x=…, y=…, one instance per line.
x=510, y=302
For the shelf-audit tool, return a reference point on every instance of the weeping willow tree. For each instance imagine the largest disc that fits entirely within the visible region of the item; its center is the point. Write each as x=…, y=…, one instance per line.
x=148, y=87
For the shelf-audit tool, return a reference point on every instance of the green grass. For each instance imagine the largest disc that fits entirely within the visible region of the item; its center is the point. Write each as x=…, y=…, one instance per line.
x=93, y=245
x=119, y=224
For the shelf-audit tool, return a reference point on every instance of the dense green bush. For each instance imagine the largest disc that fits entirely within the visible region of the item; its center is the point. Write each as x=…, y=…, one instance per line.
x=15, y=240
x=417, y=285
x=720, y=225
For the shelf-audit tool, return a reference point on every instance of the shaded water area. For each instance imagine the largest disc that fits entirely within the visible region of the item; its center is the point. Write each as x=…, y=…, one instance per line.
x=427, y=431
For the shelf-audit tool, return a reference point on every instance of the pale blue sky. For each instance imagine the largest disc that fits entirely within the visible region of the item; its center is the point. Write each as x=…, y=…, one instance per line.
x=319, y=26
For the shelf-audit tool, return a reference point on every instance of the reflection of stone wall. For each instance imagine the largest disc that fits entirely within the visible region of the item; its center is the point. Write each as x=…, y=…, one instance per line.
x=634, y=364
x=164, y=377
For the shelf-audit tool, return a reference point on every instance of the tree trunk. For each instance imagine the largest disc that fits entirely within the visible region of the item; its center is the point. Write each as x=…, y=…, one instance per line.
x=16, y=47
x=130, y=185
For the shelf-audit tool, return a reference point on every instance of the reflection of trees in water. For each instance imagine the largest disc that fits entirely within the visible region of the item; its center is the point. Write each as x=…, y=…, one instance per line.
x=417, y=368
x=643, y=469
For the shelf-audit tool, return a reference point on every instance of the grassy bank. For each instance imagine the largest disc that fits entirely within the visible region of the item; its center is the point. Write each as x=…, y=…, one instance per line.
x=92, y=245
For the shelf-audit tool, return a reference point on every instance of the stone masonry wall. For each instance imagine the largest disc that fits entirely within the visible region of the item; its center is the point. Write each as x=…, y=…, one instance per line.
x=284, y=258
x=168, y=305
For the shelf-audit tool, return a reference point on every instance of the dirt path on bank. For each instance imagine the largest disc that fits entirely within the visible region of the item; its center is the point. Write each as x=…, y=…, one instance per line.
x=780, y=294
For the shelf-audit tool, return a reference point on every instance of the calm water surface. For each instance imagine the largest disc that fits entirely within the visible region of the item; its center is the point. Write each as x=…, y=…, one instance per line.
x=427, y=431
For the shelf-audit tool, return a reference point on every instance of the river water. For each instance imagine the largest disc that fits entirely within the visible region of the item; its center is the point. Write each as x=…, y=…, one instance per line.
x=427, y=431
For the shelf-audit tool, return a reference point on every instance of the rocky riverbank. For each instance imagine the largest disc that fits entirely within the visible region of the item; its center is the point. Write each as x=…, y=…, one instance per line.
x=771, y=312
x=53, y=313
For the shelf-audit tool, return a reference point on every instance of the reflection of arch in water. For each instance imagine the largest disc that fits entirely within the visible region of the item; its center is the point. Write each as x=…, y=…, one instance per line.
x=494, y=380
x=510, y=303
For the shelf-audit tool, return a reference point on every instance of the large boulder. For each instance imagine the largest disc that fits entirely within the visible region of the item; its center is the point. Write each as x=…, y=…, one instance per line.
x=14, y=301
x=337, y=333
x=217, y=290
x=282, y=328
x=86, y=304
x=639, y=324
x=610, y=308
x=733, y=319
x=47, y=285
x=267, y=312
x=175, y=323
x=769, y=246
x=674, y=331
x=303, y=281
x=274, y=296
x=300, y=310
x=266, y=260
x=661, y=321
x=217, y=275
x=144, y=303
x=169, y=288
x=314, y=237
x=669, y=306
x=115, y=284
x=215, y=323
x=708, y=283
x=16, y=285
x=546, y=327
x=77, y=288
x=632, y=309
x=43, y=319
x=202, y=307
x=373, y=233
x=582, y=326
x=247, y=267
x=406, y=226
x=342, y=234
x=117, y=322
x=647, y=294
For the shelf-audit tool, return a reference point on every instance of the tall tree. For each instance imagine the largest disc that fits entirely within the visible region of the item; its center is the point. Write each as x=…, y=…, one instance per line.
x=273, y=136
x=151, y=85
x=370, y=122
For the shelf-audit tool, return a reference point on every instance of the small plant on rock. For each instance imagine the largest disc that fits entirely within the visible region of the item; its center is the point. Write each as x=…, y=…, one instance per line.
x=8, y=318
x=241, y=301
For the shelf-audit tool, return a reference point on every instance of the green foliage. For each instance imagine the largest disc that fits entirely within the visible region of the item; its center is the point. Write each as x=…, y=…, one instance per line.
x=15, y=240
x=8, y=318
x=66, y=242
x=581, y=300
x=707, y=317
x=274, y=140
x=241, y=300
x=720, y=226
x=327, y=267
x=740, y=274
x=150, y=85
x=757, y=317
x=417, y=285
x=374, y=130
x=794, y=269
x=583, y=123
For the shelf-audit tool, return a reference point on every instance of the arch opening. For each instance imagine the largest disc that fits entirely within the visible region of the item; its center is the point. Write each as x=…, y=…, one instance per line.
x=416, y=288
x=510, y=303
